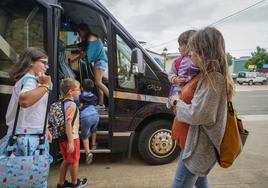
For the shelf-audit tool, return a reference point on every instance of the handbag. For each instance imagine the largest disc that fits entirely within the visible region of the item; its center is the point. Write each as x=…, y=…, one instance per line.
x=234, y=138
x=25, y=159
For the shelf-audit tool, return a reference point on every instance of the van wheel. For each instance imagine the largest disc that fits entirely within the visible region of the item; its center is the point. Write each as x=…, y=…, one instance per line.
x=156, y=145
x=250, y=83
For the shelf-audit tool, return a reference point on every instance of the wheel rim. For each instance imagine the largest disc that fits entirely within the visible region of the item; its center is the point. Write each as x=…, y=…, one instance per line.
x=161, y=144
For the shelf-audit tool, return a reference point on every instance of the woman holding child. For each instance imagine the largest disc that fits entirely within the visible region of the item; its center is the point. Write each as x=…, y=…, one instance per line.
x=206, y=115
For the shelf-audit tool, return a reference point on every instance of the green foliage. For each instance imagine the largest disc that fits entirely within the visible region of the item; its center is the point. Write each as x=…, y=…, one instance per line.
x=229, y=59
x=258, y=58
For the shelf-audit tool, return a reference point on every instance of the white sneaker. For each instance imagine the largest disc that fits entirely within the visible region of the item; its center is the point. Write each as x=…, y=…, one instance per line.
x=100, y=106
x=89, y=158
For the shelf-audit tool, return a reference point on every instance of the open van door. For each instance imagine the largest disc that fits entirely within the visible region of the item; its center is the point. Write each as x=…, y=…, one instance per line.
x=23, y=24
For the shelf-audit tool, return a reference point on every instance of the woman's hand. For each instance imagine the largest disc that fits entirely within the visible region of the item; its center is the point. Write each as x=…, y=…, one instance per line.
x=82, y=54
x=174, y=98
x=70, y=146
x=44, y=79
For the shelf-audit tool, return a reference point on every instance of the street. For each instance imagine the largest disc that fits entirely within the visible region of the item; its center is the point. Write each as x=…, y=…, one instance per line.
x=249, y=170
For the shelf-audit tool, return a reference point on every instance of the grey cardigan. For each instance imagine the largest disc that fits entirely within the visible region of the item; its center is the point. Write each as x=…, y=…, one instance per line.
x=207, y=119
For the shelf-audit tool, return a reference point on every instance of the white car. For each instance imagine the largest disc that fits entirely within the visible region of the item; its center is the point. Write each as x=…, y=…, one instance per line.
x=250, y=78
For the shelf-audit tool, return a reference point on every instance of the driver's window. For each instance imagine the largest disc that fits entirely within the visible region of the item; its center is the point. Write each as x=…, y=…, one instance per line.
x=125, y=78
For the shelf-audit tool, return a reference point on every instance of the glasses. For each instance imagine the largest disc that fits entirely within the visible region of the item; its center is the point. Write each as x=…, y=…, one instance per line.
x=43, y=62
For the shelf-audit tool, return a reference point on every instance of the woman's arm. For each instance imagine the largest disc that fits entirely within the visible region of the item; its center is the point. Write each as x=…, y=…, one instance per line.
x=29, y=96
x=204, y=107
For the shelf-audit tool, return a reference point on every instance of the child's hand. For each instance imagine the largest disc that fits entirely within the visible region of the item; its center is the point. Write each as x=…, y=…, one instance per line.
x=70, y=147
x=178, y=81
x=44, y=79
x=49, y=136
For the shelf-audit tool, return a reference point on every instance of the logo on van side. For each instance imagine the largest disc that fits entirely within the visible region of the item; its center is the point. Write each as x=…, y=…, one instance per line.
x=154, y=87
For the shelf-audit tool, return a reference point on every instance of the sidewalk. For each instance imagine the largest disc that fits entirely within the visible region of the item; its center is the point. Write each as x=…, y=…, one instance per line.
x=249, y=170
x=245, y=87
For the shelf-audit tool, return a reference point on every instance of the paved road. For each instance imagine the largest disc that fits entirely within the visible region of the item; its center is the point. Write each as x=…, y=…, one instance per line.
x=251, y=100
x=250, y=170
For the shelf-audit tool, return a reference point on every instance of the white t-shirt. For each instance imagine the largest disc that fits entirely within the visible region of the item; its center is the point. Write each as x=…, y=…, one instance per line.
x=32, y=117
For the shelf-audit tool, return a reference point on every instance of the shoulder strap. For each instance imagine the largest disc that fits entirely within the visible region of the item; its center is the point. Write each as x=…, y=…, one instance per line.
x=63, y=110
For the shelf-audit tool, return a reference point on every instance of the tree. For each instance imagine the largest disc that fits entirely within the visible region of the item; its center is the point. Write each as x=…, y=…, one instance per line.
x=229, y=59
x=258, y=58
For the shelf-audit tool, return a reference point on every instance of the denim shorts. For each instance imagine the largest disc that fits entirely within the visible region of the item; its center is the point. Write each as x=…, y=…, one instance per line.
x=89, y=125
x=101, y=65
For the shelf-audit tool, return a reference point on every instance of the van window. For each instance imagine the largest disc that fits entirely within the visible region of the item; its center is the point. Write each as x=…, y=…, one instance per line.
x=124, y=77
x=241, y=75
x=21, y=26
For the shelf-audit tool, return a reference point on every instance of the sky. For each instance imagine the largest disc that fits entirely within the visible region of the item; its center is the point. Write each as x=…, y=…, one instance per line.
x=159, y=22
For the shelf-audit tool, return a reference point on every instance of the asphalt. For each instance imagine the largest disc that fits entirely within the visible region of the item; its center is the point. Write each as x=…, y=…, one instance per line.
x=250, y=170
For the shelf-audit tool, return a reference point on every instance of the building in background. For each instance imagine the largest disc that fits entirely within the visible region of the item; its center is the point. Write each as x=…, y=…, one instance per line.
x=239, y=64
x=164, y=63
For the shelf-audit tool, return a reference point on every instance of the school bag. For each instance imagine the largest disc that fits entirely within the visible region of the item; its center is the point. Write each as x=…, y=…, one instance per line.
x=24, y=155
x=56, y=120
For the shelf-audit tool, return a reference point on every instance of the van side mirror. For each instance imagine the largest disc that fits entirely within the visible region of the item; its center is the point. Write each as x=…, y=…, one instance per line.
x=138, y=65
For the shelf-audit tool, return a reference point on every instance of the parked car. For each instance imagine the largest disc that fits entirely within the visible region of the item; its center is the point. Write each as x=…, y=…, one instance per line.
x=250, y=78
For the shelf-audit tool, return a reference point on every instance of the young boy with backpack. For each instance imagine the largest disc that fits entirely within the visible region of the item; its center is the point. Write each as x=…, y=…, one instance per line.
x=70, y=143
x=89, y=117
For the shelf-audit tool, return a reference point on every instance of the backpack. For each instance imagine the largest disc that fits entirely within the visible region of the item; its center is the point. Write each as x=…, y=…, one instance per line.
x=56, y=120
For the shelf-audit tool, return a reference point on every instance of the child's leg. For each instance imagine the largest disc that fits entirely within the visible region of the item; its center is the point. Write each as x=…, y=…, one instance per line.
x=63, y=170
x=98, y=80
x=93, y=138
x=74, y=172
x=100, y=95
x=86, y=145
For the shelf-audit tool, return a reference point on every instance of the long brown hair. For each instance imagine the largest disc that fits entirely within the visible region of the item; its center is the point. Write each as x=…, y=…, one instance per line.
x=209, y=44
x=26, y=58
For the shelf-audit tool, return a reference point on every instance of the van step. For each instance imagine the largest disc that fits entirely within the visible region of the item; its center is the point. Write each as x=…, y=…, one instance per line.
x=102, y=132
x=97, y=151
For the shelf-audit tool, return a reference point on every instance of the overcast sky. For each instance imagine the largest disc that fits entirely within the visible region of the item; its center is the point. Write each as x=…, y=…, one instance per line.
x=161, y=21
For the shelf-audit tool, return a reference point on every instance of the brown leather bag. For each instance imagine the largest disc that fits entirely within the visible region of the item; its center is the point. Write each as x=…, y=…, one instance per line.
x=233, y=140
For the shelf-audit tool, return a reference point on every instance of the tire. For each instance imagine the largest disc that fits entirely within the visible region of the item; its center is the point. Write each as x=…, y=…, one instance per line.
x=250, y=82
x=155, y=144
x=240, y=83
x=263, y=82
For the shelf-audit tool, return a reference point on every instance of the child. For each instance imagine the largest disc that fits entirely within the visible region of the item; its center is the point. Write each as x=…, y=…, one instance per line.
x=70, y=148
x=31, y=92
x=89, y=117
x=92, y=48
x=182, y=69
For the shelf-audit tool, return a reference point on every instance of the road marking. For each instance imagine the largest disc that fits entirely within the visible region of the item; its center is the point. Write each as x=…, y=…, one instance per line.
x=260, y=117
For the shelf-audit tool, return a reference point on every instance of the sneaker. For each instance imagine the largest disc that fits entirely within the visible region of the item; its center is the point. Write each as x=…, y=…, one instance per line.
x=89, y=158
x=101, y=107
x=94, y=146
x=65, y=185
x=80, y=183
